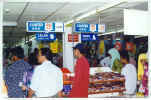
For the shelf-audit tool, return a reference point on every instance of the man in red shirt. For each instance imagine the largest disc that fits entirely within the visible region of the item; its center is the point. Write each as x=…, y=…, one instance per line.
x=81, y=80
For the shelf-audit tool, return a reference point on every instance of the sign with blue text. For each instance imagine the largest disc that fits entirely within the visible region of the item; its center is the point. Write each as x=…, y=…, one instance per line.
x=89, y=37
x=46, y=36
x=39, y=26
x=84, y=27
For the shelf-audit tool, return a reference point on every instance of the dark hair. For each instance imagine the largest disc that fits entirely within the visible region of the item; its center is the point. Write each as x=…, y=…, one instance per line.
x=47, y=53
x=36, y=50
x=32, y=59
x=107, y=54
x=80, y=47
x=18, y=52
x=124, y=54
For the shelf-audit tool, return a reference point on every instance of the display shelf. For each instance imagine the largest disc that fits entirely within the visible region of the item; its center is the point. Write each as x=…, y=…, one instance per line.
x=67, y=82
x=103, y=81
x=100, y=83
x=108, y=91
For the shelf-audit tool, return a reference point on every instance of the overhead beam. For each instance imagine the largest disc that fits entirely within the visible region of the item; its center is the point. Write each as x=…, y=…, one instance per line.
x=21, y=14
x=54, y=12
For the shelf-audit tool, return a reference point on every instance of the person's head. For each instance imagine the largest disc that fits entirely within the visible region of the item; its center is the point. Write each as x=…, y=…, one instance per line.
x=114, y=54
x=124, y=57
x=36, y=50
x=78, y=50
x=32, y=59
x=44, y=55
x=17, y=53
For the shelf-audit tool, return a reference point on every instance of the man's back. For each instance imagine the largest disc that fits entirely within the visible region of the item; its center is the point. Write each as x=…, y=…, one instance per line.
x=14, y=76
x=129, y=71
x=47, y=80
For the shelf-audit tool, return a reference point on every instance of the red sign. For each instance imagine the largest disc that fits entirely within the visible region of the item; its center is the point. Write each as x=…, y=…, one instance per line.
x=73, y=37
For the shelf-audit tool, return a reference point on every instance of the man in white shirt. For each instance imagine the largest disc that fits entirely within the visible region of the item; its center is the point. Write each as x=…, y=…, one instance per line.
x=106, y=62
x=129, y=71
x=47, y=79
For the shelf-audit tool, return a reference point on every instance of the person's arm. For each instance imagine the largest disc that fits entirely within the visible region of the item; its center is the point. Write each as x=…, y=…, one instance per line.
x=60, y=94
x=34, y=84
x=30, y=93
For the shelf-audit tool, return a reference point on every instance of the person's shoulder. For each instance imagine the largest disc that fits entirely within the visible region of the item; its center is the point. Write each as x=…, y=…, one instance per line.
x=37, y=68
x=130, y=66
x=55, y=68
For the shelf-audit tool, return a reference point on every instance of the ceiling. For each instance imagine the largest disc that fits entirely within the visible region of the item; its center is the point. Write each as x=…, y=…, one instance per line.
x=21, y=12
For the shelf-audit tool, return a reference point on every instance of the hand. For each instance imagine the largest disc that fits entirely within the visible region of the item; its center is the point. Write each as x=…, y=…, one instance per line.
x=60, y=94
x=24, y=87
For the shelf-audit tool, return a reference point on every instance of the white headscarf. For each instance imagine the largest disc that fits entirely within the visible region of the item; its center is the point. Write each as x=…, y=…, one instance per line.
x=114, y=54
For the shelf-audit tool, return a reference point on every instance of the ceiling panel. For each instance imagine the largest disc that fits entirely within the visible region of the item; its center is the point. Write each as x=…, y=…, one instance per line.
x=12, y=10
x=72, y=10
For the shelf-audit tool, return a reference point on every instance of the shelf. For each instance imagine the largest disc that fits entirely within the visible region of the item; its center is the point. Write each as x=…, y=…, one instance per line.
x=101, y=92
x=67, y=82
x=109, y=91
x=103, y=81
x=99, y=81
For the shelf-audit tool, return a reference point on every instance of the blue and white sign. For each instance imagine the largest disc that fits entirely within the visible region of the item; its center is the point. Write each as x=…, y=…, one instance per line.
x=89, y=37
x=84, y=27
x=38, y=26
x=46, y=36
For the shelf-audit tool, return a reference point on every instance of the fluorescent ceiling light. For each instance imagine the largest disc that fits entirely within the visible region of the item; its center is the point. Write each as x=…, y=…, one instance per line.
x=68, y=22
x=140, y=36
x=137, y=0
x=7, y=23
x=33, y=38
x=121, y=30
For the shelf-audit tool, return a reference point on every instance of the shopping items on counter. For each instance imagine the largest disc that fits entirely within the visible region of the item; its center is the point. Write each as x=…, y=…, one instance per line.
x=99, y=83
x=66, y=90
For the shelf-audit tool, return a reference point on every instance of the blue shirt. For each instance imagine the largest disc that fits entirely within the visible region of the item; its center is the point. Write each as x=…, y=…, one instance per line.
x=14, y=76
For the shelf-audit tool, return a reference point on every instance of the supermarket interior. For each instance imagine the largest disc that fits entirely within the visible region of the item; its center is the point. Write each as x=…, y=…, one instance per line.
x=113, y=35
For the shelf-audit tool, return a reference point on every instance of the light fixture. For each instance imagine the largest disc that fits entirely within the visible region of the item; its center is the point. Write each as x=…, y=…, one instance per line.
x=9, y=23
x=7, y=10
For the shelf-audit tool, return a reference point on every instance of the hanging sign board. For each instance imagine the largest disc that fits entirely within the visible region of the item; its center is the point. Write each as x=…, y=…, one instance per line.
x=101, y=28
x=39, y=26
x=84, y=27
x=136, y=22
x=89, y=37
x=73, y=38
x=46, y=36
x=54, y=47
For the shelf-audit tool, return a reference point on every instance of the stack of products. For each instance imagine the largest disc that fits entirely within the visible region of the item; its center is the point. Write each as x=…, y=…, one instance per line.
x=66, y=90
x=67, y=81
x=104, y=82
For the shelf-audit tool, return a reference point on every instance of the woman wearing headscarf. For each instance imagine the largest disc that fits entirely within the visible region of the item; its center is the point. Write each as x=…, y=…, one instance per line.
x=116, y=65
